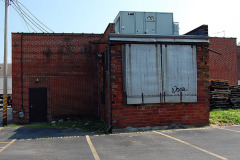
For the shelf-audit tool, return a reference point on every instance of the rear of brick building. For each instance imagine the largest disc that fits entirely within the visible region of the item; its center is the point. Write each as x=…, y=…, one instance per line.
x=224, y=66
x=238, y=58
x=143, y=114
x=153, y=80
x=54, y=75
x=149, y=78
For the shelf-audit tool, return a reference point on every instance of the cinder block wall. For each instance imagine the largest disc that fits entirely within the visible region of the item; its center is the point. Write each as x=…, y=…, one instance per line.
x=223, y=66
x=65, y=64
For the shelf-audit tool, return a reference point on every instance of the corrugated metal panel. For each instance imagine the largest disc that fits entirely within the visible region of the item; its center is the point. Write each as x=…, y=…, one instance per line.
x=160, y=73
x=143, y=73
x=180, y=73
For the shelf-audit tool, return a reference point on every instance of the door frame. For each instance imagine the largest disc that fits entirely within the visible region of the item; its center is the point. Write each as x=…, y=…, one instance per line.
x=43, y=92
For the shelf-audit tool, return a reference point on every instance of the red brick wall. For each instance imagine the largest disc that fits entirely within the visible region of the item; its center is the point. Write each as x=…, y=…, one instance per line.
x=65, y=64
x=103, y=72
x=238, y=57
x=159, y=114
x=223, y=66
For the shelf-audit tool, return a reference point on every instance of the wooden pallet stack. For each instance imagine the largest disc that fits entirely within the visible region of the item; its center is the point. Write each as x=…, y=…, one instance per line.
x=219, y=93
x=235, y=96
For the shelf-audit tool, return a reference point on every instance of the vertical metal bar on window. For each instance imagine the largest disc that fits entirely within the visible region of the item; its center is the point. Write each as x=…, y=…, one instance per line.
x=164, y=97
x=180, y=97
x=162, y=74
x=130, y=68
x=160, y=97
x=157, y=69
x=142, y=99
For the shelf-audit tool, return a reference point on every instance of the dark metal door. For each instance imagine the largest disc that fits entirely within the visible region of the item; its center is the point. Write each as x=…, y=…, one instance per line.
x=38, y=104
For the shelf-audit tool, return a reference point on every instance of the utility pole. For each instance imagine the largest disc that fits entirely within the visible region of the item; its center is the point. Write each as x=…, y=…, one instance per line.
x=5, y=64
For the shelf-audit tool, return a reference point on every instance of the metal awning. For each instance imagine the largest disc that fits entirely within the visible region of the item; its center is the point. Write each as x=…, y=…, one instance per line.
x=158, y=38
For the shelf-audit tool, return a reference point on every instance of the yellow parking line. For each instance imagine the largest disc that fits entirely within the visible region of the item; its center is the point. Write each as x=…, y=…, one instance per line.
x=4, y=142
x=227, y=129
x=9, y=144
x=193, y=146
x=94, y=152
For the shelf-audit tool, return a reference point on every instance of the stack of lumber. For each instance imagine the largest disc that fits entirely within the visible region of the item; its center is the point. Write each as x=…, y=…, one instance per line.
x=235, y=96
x=219, y=93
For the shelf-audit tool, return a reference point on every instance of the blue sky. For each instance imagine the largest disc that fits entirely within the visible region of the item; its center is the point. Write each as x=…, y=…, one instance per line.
x=93, y=16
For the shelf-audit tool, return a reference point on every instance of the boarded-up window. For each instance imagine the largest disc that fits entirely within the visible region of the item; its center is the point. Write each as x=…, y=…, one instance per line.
x=160, y=73
x=179, y=73
x=143, y=74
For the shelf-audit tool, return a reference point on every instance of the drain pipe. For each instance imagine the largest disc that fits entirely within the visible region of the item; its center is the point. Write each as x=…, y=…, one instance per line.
x=109, y=129
x=21, y=113
x=22, y=69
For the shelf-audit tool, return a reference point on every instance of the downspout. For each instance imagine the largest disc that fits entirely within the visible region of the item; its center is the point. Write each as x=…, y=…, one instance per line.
x=98, y=82
x=22, y=69
x=109, y=129
x=21, y=113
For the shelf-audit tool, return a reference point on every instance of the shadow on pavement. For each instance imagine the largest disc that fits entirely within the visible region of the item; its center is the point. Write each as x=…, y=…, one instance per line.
x=35, y=133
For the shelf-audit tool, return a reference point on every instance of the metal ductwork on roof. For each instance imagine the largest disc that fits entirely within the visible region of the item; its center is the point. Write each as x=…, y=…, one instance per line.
x=157, y=23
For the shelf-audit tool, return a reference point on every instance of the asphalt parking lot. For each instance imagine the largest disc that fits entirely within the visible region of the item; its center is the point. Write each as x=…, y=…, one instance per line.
x=50, y=144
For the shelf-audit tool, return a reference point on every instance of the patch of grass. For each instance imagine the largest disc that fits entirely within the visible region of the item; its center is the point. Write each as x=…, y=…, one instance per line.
x=91, y=124
x=225, y=117
x=13, y=125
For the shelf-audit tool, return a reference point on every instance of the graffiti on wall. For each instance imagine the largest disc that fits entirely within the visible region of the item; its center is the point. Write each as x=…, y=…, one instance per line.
x=176, y=89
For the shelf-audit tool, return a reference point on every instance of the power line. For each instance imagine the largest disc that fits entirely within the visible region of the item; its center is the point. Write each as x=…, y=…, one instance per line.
x=24, y=22
x=34, y=16
x=26, y=16
x=23, y=19
x=14, y=7
x=30, y=18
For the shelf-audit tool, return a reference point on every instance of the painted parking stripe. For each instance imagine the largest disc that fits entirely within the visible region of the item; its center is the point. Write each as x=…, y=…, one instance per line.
x=193, y=146
x=94, y=152
x=227, y=129
x=9, y=144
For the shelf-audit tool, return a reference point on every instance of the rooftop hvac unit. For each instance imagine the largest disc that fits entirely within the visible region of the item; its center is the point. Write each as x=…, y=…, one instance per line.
x=145, y=23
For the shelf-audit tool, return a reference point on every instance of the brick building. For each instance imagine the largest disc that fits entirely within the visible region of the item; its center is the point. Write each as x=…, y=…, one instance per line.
x=115, y=109
x=53, y=75
x=150, y=78
x=224, y=66
x=238, y=57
